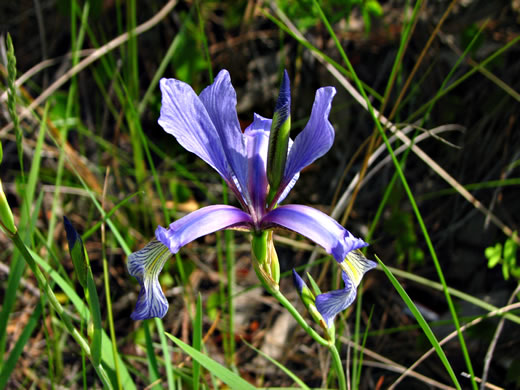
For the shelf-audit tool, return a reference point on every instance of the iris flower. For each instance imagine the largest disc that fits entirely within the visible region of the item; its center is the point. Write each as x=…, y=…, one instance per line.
x=208, y=126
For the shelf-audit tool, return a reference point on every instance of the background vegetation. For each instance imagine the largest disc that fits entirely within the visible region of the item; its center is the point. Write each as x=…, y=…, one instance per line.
x=441, y=215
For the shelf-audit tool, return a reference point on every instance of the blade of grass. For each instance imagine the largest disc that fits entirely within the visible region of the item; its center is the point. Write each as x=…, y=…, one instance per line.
x=170, y=374
x=422, y=322
x=287, y=371
x=9, y=365
x=410, y=197
x=231, y=379
x=116, y=42
x=107, y=356
x=153, y=369
x=197, y=342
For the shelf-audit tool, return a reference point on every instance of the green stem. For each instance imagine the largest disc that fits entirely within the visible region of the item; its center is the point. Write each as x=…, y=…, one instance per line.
x=111, y=319
x=297, y=316
x=338, y=366
x=47, y=290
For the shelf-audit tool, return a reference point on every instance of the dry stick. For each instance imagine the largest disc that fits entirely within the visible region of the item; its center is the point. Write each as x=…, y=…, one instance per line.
x=375, y=139
x=93, y=57
x=393, y=366
x=389, y=125
x=492, y=345
x=477, y=379
x=419, y=152
x=43, y=65
x=493, y=313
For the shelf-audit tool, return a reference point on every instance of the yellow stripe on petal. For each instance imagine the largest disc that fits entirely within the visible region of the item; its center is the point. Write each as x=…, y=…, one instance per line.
x=356, y=265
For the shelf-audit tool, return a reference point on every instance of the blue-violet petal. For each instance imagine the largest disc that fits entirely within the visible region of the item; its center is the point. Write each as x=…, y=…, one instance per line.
x=220, y=100
x=201, y=222
x=334, y=302
x=315, y=139
x=184, y=116
x=316, y=226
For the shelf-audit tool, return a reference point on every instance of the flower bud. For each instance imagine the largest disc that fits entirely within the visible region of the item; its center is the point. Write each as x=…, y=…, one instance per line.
x=6, y=215
x=77, y=252
x=279, y=137
x=309, y=300
x=265, y=258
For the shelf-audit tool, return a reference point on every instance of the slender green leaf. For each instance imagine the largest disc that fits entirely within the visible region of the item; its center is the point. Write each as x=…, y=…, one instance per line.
x=197, y=341
x=224, y=374
x=279, y=365
x=10, y=363
x=107, y=356
x=153, y=369
x=166, y=354
x=422, y=322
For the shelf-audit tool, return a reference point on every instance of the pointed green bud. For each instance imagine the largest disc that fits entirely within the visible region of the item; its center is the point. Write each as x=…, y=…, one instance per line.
x=265, y=258
x=77, y=252
x=259, y=246
x=309, y=300
x=279, y=137
x=306, y=294
x=272, y=259
x=6, y=215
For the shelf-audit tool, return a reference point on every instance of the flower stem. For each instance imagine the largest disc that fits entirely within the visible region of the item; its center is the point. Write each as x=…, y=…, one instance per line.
x=338, y=366
x=297, y=316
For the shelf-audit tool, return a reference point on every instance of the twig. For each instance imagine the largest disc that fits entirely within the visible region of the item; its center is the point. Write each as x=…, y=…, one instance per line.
x=451, y=336
x=100, y=52
x=389, y=125
x=492, y=345
x=392, y=366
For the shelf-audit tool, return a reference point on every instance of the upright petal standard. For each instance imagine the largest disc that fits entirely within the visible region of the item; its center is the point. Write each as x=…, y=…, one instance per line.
x=208, y=126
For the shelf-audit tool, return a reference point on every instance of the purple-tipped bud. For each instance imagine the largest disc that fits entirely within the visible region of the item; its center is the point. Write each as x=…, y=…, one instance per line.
x=72, y=234
x=283, y=104
x=298, y=281
x=279, y=137
x=77, y=252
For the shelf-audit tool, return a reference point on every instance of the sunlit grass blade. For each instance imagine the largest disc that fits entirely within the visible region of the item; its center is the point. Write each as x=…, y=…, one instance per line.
x=422, y=322
x=411, y=198
x=234, y=381
x=95, y=313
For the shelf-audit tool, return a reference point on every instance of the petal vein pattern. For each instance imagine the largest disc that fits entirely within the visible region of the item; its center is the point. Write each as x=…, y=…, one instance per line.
x=184, y=116
x=316, y=226
x=334, y=302
x=315, y=139
x=145, y=265
x=220, y=101
x=200, y=223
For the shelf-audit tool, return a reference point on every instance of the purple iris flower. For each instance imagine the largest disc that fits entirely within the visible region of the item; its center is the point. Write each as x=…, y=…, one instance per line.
x=208, y=126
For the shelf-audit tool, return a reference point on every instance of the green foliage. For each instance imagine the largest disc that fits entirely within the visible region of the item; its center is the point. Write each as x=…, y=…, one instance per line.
x=400, y=224
x=505, y=255
x=189, y=61
x=305, y=15
x=233, y=380
x=468, y=34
